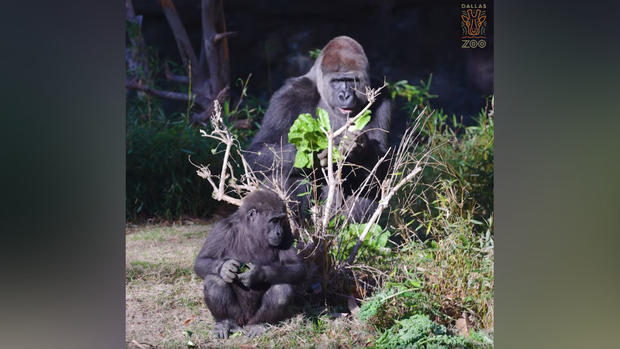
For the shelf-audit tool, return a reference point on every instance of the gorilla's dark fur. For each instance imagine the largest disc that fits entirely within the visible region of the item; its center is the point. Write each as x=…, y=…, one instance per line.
x=256, y=233
x=336, y=83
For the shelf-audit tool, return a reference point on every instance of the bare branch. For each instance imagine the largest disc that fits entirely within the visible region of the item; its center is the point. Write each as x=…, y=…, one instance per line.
x=177, y=96
x=333, y=182
x=180, y=36
x=400, y=164
x=129, y=12
x=219, y=36
x=375, y=216
x=371, y=95
x=227, y=178
x=135, y=52
x=216, y=57
x=204, y=172
x=176, y=78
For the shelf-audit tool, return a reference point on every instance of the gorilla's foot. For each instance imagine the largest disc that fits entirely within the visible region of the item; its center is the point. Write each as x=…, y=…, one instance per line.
x=222, y=328
x=254, y=330
x=234, y=327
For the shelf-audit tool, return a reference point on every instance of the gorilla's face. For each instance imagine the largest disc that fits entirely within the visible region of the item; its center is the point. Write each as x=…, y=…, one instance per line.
x=275, y=232
x=344, y=92
x=272, y=225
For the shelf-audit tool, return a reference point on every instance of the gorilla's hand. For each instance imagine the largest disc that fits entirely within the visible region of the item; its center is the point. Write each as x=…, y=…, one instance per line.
x=251, y=277
x=323, y=157
x=350, y=140
x=254, y=330
x=228, y=270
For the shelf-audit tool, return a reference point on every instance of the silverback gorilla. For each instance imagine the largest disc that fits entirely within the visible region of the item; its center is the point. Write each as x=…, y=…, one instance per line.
x=336, y=82
x=257, y=234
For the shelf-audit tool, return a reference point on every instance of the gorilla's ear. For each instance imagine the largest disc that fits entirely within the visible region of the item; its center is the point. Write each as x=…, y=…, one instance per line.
x=251, y=212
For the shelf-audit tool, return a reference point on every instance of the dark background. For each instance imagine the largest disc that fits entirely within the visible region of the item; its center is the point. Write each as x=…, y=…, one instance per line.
x=403, y=39
x=556, y=180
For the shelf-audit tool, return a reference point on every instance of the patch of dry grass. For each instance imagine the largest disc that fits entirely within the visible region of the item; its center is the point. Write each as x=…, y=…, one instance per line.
x=164, y=299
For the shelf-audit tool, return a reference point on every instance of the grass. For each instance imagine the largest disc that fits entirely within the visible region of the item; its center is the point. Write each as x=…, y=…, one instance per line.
x=164, y=300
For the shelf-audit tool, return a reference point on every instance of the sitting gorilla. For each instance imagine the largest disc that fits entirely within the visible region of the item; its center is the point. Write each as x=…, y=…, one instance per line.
x=336, y=82
x=256, y=234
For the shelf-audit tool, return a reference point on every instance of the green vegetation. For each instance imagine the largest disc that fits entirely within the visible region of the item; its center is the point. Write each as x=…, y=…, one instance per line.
x=160, y=180
x=161, y=183
x=428, y=277
x=418, y=331
x=314, y=53
x=436, y=260
x=415, y=95
x=442, y=267
x=308, y=136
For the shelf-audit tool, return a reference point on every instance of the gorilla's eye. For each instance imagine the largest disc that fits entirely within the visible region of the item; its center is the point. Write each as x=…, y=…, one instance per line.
x=277, y=219
x=343, y=80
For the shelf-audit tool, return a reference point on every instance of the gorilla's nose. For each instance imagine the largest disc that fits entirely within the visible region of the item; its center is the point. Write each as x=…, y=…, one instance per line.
x=345, y=98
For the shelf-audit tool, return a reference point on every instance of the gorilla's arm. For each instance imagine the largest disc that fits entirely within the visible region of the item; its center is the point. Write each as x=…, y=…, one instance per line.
x=209, y=259
x=298, y=95
x=266, y=157
x=374, y=137
x=290, y=269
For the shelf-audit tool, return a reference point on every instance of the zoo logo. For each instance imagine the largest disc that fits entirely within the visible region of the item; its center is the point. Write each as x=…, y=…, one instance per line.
x=473, y=25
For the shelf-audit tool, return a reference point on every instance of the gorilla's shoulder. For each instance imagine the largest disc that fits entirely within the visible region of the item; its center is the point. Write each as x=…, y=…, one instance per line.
x=298, y=89
x=225, y=228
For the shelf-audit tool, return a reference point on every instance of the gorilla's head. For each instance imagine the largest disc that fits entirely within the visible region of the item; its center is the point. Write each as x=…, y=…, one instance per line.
x=342, y=75
x=266, y=216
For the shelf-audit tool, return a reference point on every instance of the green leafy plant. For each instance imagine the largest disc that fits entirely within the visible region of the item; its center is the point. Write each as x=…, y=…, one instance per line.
x=374, y=243
x=418, y=331
x=415, y=95
x=372, y=306
x=314, y=53
x=160, y=182
x=396, y=300
x=308, y=138
x=360, y=123
x=308, y=135
x=465, y=155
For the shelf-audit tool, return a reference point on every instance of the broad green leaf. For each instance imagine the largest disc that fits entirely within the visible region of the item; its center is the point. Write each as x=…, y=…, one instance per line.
x=361, y=122
x=310, y=160
x=335, y=154
x=323, y=118
x=306, y=135
x=301, y=159
x=383, y=238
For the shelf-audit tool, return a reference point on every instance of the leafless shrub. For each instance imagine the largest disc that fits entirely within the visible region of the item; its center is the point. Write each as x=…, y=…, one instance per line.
x=321, y=240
